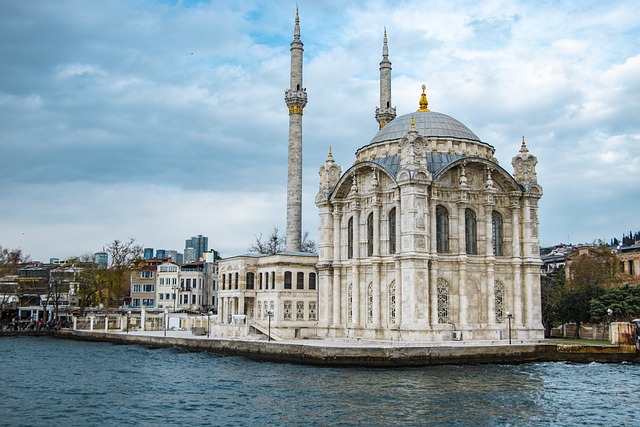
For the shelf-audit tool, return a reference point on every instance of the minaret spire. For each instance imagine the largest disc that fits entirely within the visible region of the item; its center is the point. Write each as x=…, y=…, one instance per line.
x=385, y=112
x=296, y=99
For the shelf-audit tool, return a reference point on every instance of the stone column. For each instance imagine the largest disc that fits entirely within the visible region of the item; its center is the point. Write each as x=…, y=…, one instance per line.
x=356, y=266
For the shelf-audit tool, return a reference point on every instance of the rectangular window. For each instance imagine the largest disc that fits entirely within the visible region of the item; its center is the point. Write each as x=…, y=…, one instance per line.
x=135, y=302
x=162, y=281
x=193, y=299
x=147, y=302
x=161, y=297
x=166, y=296
x=136, y=288
x=146, y=274
x=148, y=288
x=631, y=271
x=250, y=280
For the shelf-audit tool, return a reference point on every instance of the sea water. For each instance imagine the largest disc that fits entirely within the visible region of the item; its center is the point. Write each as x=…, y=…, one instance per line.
x=50, y=382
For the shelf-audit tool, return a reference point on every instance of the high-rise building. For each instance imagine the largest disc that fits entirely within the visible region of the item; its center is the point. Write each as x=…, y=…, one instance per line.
x=199, y=244
x=161, y=253
x=189, y=255
x=102, y=259
x=171, y=254
x=148, y=253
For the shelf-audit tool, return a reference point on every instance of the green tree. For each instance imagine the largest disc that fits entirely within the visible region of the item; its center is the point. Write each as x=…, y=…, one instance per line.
x=596, y=267
x=574, y=306
x=624, y=303
x=591, y=271
x=553, y=289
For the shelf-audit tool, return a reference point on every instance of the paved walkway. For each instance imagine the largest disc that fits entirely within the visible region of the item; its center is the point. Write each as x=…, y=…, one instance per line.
x=327, y=342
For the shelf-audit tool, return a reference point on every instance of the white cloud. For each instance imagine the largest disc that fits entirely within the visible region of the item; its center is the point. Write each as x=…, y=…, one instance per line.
x=172, y=121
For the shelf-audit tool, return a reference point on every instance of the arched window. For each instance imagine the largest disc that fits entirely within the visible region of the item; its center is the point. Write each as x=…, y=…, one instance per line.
x=442, y=229
x=266, y=280
x=471, y=234
x=350, y=238
x=497, y=233
x=300, y=280
x=312, y=281
x=392, y=302
x=392, y=231
x=370, y=303
x=370, y=234
x=499, y=300
x=443, y=301
x=237, y=275
x=250, y=280
x=287, y=280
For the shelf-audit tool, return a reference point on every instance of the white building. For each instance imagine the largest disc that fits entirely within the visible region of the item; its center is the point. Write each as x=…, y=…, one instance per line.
x=186, y=287
x=424, y=238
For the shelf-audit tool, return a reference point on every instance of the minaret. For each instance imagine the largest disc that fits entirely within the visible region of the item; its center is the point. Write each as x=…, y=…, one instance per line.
x=385, y=112
x=296, y=99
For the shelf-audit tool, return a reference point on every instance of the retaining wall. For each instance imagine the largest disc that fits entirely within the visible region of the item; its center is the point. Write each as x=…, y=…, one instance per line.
x=337, y=354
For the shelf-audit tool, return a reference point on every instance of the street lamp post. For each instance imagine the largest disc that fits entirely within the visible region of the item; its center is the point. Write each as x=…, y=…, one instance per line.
x=175, y=296
x=609, y=313
x=269, y=315
x=509, y=315
x=166, y=314
x=209, y=313
x=128, y=314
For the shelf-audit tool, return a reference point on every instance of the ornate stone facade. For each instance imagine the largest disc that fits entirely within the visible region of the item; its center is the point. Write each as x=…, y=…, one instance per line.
x=427, y=238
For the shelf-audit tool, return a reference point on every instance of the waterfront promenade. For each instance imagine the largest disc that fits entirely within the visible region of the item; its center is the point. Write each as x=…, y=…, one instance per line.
x=328, y=352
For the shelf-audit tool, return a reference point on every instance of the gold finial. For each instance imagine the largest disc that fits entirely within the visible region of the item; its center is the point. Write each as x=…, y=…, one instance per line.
x=330, y=156
x=423, y=101
x=385, y=32
x=523, y=147
x=297, y=17
x=413, y=122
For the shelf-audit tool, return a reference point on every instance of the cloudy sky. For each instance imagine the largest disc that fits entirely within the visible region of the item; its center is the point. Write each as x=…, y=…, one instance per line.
x=159, y=120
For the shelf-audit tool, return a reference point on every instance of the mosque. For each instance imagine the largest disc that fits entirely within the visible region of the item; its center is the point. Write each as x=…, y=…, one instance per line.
x=424, y=238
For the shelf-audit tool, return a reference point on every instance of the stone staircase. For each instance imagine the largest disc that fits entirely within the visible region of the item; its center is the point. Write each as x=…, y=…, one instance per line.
x=263, y=327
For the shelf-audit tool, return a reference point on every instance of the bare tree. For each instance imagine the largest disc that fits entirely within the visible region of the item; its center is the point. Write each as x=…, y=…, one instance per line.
x=11, y=260
x=275, y=243
x=123, y=258
x=307, y=244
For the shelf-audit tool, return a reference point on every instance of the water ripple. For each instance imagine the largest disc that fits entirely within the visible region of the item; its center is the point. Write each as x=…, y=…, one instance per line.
x=49, y=381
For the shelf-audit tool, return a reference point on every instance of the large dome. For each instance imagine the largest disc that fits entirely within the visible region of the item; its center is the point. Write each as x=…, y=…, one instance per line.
x=428, y=124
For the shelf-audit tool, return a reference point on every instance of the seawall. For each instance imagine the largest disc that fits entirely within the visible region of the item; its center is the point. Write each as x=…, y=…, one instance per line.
x=370, y=354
